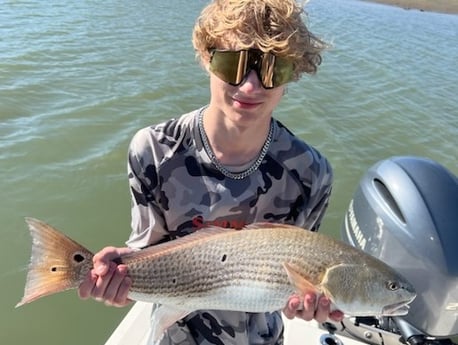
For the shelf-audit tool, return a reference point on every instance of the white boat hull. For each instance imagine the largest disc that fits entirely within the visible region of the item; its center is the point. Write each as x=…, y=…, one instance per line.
x=134, y=330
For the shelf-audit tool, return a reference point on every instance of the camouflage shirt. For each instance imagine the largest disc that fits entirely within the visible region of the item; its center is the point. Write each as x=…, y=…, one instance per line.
x=177, y=190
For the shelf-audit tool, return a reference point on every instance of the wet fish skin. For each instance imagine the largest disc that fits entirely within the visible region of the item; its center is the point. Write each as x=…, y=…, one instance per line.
x=253, y=270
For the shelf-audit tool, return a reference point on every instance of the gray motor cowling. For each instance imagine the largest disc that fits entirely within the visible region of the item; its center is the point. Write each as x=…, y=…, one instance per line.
x=405, y=212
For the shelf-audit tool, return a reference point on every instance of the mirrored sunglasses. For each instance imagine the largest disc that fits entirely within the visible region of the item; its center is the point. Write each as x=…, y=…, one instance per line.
x=234, y=66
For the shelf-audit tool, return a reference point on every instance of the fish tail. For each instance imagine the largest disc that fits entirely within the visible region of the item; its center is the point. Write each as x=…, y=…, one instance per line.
x=57, y=262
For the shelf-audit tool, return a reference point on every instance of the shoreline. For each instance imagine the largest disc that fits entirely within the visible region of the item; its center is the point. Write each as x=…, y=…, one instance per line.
x=441, y=6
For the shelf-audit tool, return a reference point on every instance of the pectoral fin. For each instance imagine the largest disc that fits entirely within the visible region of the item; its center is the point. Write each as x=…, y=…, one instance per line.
x=299, y=280
x=164, y=317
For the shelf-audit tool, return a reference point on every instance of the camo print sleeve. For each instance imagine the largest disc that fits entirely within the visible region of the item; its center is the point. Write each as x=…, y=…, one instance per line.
x=312, y=173
x=147, y=220
x=176, y=190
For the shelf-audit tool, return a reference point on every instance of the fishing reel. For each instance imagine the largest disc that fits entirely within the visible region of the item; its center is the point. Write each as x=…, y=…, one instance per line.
x=405, y=212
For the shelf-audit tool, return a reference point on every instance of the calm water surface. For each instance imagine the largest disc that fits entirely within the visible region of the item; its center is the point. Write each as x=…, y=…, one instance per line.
x=78, y=78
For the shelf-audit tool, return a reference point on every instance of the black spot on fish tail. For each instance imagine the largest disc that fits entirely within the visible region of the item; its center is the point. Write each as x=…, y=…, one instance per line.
x=78, y=258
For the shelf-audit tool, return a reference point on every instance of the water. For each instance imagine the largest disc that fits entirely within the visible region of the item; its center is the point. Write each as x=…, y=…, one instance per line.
x=78, y=78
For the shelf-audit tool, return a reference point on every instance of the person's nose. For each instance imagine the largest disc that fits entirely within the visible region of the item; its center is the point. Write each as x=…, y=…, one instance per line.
x=251, y=82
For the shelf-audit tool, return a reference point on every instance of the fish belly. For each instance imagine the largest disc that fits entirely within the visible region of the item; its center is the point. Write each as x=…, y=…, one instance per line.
x=249, y=297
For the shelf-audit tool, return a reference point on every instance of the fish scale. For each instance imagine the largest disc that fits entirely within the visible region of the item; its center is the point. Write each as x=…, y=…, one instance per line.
x=203, y=271
x=255, y=269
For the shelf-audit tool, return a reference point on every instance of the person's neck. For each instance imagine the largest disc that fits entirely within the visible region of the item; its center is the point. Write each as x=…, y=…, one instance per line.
x=231, y=143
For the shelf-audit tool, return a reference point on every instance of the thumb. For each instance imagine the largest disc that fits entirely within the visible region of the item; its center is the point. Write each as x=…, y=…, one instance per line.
x=103, y=258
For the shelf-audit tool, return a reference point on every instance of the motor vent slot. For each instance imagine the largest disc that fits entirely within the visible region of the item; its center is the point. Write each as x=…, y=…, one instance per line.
x=389, y=200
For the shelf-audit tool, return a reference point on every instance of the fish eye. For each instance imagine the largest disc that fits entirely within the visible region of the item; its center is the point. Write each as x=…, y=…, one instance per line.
x=392, y=285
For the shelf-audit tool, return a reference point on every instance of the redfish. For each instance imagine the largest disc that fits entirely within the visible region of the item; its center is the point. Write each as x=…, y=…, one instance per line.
x=255, y=269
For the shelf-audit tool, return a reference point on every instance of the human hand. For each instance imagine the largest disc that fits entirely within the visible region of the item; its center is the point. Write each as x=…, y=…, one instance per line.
x=308, y=308
x=107, y=281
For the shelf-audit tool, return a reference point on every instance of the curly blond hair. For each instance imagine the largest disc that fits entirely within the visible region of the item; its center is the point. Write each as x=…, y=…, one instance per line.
x=275, y=26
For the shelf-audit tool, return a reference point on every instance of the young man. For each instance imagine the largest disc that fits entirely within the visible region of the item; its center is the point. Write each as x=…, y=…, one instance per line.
x=229, y=163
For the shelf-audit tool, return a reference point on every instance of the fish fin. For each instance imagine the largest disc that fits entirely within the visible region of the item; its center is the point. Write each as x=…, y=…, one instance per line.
x=57, y=262
x=164, y=317
x=300, y=281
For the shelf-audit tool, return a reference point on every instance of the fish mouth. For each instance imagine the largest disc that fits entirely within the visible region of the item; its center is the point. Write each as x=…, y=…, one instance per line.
x=396, y=309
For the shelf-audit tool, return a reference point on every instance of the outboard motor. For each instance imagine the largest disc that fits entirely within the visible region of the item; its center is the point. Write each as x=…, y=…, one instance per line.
x=405, y=212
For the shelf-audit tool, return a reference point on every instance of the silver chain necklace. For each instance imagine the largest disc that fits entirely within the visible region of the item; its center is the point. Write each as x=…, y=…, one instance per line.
x=221, y=168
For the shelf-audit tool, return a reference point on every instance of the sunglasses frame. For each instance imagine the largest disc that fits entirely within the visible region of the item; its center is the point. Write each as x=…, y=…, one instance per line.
x=233, y=67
